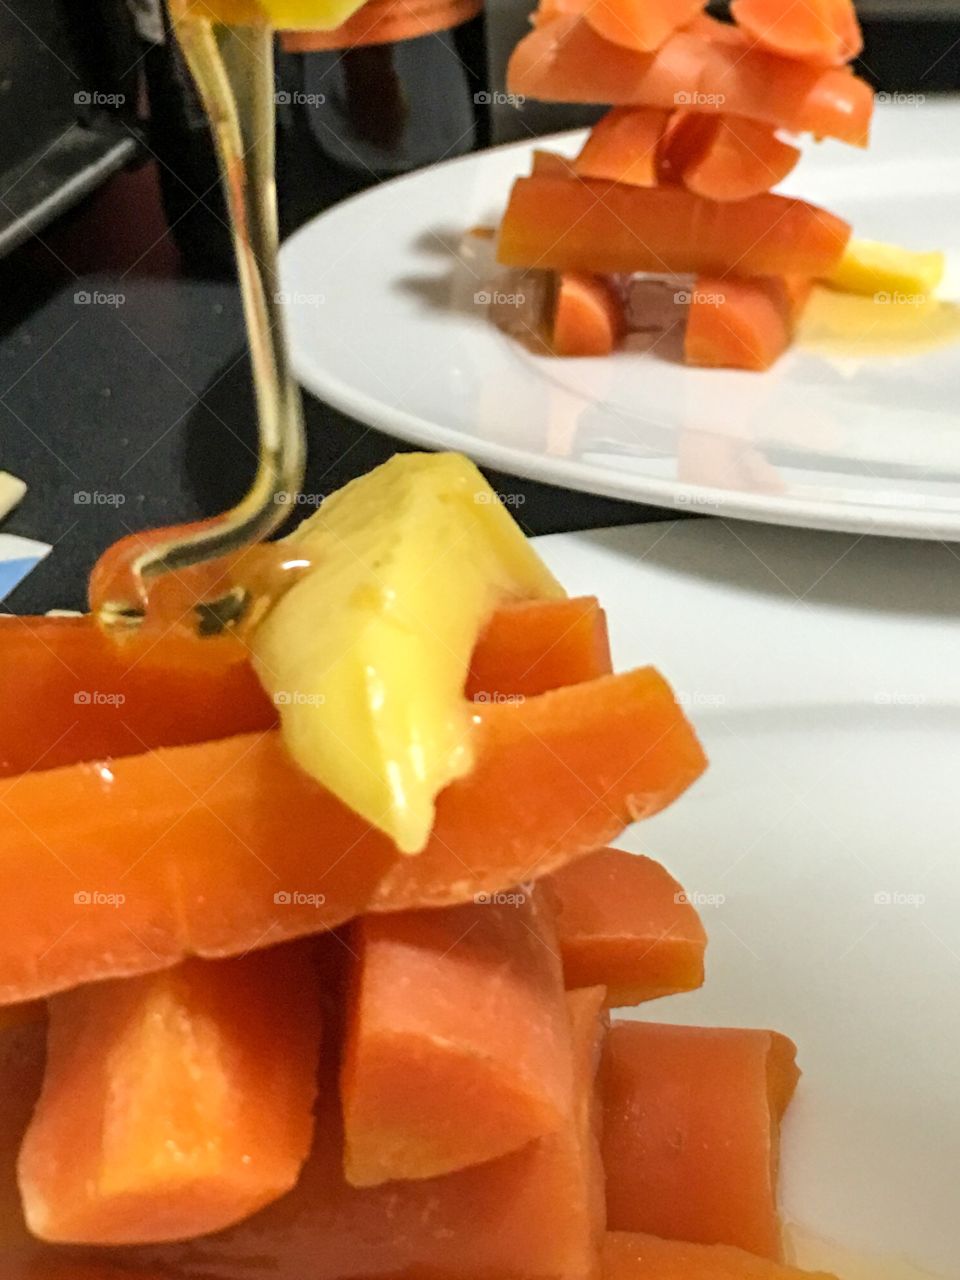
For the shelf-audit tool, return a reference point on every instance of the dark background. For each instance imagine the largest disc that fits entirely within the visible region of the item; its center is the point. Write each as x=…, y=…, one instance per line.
x=145, y=405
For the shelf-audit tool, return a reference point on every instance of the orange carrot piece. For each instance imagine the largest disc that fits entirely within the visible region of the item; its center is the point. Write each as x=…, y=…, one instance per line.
x=624, y=923
x=567, y=61
x=537, y=1212
x=692, y=1132
x=727, y=157
x=458, y=1040
x=557, y=224
x=623, y=146
x=550, y=162
x=71, y=691
x=643, y=25
x=176, y=1104
x=115, y=870
x=22, y=1056
x=533, y=647
x=631, y=1256
x=588, y=317
x=822, y=32
x=737, y=324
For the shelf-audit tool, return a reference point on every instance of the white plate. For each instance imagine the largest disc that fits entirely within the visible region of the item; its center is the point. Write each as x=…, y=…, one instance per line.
x=821, y=672
x=383, y=325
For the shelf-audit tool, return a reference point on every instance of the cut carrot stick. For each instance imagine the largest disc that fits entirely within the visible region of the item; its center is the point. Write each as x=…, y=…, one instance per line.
x=692, y=1132
x=727, y=157
x=22, y=1055
x=624, y=923
x=623, y=146
x=115, y=870
x=630, y=1256
x=176, y=1104
x=536, y=1213
x=588, y=316
x=567, y=61
x=536, y=646
x=822, y=32
x=550, y=162
x=557, y=224
x=738, y=324
x=71, y=691
x=458, y=1039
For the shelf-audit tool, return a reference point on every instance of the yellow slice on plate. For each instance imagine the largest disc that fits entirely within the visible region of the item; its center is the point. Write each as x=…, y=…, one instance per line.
x=871, y=267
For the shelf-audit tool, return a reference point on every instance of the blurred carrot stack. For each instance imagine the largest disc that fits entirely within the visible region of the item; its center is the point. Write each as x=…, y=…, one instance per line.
x=676, y=178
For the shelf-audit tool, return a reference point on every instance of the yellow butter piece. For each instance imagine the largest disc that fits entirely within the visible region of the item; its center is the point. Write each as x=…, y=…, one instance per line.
x=367, y=655
x=871, y=267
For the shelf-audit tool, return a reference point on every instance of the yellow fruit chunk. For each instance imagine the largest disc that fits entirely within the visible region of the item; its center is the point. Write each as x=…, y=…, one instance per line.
x=367, y=655
x=284, y=15
x=871, y=267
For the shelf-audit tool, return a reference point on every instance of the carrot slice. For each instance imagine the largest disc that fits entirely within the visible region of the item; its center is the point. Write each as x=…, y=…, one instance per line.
x=71, y=691
x=631, y=1256
x=551, y=162
x=691, y=1132
x=623, y=146
x=643, y=25
x=455, y=1013
x=121, y=869
x=822, y=32
x=175, y=1104
x=738, y=324
x=533, y=647
x=561, y=225
x=624, y=923
x=588, y=319
x=567, y=61
x=727, y=157
x=537, y=1212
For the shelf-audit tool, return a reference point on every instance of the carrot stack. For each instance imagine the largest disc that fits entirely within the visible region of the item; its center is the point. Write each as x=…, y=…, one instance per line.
x=676, y=179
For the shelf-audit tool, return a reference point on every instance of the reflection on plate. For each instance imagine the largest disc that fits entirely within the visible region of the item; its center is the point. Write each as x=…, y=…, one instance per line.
x=389, y=320
x=821, y=845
